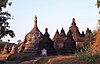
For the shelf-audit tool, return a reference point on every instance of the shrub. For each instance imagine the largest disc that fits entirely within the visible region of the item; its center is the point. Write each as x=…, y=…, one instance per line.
x=87, y=55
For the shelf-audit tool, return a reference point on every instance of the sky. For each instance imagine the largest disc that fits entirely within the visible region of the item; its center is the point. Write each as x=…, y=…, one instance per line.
x=51, y=14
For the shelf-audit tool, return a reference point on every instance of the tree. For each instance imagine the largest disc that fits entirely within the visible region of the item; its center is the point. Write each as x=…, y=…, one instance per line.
x=98, y=3
x=4, y=24
x=98, y=6
x=88, y=40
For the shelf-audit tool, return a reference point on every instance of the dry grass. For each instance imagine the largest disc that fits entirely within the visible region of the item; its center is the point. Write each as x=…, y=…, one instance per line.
x=65, y=60
x=96, y=43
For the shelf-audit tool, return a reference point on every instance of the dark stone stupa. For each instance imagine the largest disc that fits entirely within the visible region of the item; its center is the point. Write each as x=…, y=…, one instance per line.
x=47, y=43
x=69, y=44
x=56, y=36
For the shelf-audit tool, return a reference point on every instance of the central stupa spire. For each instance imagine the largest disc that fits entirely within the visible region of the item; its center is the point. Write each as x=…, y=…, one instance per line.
x=35, y=27
x=35, y=21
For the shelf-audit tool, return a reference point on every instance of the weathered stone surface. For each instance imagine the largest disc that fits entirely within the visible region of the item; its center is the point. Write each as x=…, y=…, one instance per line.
x=32, y=38
x=13, y=50
x=34, y=32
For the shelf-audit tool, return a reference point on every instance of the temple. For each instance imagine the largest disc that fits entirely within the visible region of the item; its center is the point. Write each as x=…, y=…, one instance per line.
x=69, y=44
x=77, y=36
x=36, y=43
x=47, y=44
x=32, y=38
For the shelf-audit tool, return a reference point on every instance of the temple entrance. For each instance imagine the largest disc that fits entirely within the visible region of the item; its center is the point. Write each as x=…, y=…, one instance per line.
x=43, y=52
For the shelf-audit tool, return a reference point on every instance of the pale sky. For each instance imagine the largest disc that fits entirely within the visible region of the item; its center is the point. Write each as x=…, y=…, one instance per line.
x=53, y=14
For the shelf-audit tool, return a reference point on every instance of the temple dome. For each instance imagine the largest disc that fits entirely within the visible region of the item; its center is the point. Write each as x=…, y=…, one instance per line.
x=34, y=32
x=32, y=38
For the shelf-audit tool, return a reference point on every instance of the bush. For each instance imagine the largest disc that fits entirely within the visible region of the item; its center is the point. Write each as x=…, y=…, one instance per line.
x=1, y=45
x=87, y=55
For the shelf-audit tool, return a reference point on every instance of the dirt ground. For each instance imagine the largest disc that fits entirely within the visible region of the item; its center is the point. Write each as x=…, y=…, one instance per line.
x=59, y=60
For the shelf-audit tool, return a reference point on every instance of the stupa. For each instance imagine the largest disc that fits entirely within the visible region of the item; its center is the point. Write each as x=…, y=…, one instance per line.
x=13, y=50
x=6, y=49
x=47, y=44
x=69, y=44
x=77, y=36
x=32, y=38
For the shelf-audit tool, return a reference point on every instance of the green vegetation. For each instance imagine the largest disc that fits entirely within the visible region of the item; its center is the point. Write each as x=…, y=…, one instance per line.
x=98, y=3
x=4, y=24
x=87, y=56
x=88, y=40
x=1, y=45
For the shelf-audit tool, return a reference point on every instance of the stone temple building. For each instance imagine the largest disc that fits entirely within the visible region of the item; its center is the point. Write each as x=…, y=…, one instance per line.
x=35, y=41
x=59, y=40
x=78, y=37
x=37, y=44
x=31, y=40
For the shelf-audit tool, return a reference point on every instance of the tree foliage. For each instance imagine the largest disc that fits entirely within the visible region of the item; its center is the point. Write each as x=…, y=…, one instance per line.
x=4, y=24
x=98, y=3
x=88, y=40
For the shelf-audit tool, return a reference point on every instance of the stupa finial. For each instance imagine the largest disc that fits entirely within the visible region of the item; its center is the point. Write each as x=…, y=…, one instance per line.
x=73, y=22
x=46, y=30
x=35, y=17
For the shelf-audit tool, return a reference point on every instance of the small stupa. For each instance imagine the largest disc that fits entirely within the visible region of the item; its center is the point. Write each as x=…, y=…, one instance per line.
x=13, y=50
x=59, y=39
x=69, y=44
x=47, y=44
x=6, y=49
x=21, y=48
x=88, y=31
x=62, y=33
x=77, y=36
x=56, y=36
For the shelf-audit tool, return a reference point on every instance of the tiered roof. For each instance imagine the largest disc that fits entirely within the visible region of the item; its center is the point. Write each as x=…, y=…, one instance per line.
x=70, y=44
x=62, y=33
x=56, y=36
x=47, y=43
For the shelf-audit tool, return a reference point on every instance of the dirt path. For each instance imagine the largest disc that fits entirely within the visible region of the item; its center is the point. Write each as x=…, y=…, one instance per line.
x=57, y=60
